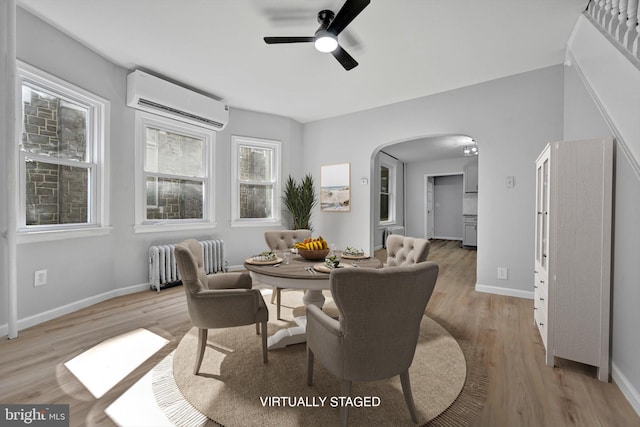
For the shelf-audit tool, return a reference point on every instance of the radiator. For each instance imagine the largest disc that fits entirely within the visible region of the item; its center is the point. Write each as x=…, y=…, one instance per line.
x=163, y=270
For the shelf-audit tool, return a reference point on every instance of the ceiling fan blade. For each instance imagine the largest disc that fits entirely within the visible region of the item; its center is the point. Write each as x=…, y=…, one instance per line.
x=344, y=58
x=350, y=9
x=276, y=40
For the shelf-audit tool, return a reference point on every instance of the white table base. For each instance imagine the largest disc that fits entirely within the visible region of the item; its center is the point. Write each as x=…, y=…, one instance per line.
x=313, y=295
x=289, y=336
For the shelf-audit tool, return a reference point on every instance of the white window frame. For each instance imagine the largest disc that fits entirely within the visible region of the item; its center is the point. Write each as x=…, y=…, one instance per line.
x=98, y=110
x=142, y=224
x=392, y=191
x=242, y=141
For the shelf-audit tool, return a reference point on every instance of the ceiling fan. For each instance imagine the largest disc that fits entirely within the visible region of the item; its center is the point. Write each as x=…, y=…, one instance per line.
x=326, y=36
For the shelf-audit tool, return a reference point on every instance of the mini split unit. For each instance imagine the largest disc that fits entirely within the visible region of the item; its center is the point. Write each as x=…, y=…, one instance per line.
x=155, y=95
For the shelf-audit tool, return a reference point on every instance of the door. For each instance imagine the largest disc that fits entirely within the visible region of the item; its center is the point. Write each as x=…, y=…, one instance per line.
x=429, y=209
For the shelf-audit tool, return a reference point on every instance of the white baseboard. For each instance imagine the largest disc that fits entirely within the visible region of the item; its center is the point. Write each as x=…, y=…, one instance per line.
x=447, y=238
x=504, y=291
x=625, y=386
x=36, y=319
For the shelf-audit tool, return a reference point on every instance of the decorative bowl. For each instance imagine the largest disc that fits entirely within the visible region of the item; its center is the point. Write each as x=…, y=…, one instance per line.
x=313, y=254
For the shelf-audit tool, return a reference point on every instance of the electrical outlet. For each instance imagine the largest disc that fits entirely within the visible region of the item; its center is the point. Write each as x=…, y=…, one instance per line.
x=503, y=273
x=40, y=278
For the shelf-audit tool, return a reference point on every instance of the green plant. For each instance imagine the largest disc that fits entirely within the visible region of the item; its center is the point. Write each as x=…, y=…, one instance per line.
x=299, y=200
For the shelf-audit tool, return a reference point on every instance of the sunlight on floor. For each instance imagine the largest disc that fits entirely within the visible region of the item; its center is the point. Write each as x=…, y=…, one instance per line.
x=106, y=364
x=138, y=407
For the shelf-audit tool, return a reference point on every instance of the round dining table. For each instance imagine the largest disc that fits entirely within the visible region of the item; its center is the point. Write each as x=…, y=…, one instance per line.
x=299, y=273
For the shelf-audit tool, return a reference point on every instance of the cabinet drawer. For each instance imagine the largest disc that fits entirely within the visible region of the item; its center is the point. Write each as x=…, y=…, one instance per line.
x=540, y=316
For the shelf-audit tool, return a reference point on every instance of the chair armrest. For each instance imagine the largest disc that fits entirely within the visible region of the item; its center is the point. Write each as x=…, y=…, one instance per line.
x=232, y=280
x=325, y=339
x=221, y=308
x=315, y=314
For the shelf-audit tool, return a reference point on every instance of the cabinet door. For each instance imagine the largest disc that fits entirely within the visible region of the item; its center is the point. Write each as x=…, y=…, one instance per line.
x=471, y=178
x=470, y=235
x=542, y=213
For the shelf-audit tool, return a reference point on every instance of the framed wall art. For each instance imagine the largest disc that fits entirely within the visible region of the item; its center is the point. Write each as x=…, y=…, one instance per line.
x=335, y=188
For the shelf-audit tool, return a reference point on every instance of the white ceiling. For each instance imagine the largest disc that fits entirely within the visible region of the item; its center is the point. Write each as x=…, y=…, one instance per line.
x=429, y=148
x=406, y=48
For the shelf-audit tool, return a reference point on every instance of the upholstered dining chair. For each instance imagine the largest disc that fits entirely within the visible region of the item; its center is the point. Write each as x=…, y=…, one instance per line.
x=376, y=334
x=282, y=240
x=403, y=251
x=219, y=300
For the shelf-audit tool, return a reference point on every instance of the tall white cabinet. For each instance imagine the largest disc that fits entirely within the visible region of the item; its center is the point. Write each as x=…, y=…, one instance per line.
x=574, y=184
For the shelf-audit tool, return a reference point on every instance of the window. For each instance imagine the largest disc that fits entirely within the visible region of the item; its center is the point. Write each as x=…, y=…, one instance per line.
x=387, y=190
x=174, y=162
x=62, y=171
x=256, y=189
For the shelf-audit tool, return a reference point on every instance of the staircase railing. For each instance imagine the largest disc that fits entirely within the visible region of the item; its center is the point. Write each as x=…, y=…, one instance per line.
x=619, y=19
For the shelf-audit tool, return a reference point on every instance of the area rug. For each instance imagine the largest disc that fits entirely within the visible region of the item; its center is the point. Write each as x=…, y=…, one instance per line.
x=234, y=388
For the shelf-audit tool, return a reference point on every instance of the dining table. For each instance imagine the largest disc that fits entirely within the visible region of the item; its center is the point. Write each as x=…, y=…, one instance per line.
x=295, y=272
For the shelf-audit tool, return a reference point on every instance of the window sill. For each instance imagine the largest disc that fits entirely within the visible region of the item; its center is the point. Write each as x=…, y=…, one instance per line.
x=383, y=225
x=274, y=223
x=162, y=227
x=49, y=235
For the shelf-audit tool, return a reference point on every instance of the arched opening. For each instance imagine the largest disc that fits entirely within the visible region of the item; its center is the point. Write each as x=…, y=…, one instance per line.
x=425, y=187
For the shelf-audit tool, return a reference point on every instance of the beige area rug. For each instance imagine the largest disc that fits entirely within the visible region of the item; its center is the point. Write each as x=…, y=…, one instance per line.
x=234, y=387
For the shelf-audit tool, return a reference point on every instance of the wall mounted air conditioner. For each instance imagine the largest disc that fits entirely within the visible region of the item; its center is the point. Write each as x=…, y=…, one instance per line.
x=150, y=93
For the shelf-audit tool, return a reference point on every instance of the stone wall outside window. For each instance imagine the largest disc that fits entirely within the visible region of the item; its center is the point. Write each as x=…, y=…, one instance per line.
x=55, y=194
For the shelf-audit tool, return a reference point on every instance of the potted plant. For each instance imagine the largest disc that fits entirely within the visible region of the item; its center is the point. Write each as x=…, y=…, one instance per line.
x=299, y=200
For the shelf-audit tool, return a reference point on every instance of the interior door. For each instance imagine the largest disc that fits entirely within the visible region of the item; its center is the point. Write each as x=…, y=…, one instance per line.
x=429, y=209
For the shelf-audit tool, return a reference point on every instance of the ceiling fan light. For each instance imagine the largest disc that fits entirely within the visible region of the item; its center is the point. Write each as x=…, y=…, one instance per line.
x=326, y=43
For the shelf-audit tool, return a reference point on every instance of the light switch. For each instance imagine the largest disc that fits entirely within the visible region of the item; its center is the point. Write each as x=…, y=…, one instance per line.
x=509, y=182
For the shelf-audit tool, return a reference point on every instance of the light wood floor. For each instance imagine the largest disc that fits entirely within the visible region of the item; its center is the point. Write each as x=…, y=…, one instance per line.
x=522, y=390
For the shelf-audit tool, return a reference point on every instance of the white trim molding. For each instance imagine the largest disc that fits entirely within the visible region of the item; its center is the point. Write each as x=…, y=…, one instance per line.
x=45, y=316
x=625, y=386
x=498, y=290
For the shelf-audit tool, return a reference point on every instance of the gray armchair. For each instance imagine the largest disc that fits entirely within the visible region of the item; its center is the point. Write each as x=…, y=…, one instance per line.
x=220, y=300
x=403, y=251
x=281, y=240
x=377, y=332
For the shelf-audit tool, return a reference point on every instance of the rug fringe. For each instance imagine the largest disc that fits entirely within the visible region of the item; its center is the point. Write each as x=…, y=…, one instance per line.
x=169, y=398
x=466, y=409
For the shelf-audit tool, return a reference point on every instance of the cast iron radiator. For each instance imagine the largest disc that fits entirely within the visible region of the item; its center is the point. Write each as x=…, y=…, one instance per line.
x=163, y=269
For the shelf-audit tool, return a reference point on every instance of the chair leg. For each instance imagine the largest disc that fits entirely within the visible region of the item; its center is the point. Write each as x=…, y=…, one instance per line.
x=202, y=345
x=344, y=410
x=408, y=396
x=265, y=357
x=257, y=328
x=309, y=367
x=278, y=295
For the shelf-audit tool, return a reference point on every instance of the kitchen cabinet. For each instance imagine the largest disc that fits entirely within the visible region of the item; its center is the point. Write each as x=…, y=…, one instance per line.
x=574, y=183
x=470, y=232
x=471, y=177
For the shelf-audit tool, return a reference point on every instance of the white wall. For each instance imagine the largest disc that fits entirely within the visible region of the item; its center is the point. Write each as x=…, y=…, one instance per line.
x=591, y=106
x=85, y=270
x=510, y=118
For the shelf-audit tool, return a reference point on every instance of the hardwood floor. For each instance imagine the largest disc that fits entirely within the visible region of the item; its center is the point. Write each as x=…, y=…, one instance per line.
x=498, y=330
